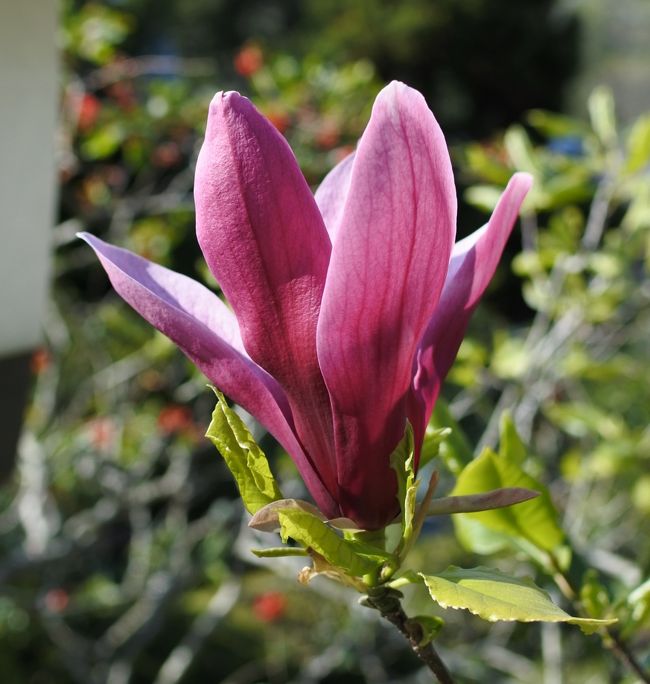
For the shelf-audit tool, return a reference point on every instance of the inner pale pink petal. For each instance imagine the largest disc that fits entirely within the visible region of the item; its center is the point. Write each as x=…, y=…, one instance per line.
x=473, y=264
x=332, y=192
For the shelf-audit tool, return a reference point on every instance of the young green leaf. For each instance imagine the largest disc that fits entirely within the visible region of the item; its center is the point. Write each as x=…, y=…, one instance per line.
x=593, y=595
x=638, y=145
x=434, y=439
x=455, y=450
x=520, y=150
x=483, y=197
x=243, y=457
x=639, y=602
x=314, y=534
x=602, y=114
x=430, y=626
x=511, y=446
x=402, y=460
x=479, y=538
x=494, y=596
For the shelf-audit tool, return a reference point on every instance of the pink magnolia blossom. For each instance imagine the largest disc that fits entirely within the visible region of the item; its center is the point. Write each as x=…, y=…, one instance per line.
x=348, y=307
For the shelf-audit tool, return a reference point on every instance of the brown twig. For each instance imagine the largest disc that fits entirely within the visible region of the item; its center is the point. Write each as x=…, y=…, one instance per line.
x=387, y=602
x=621, y=650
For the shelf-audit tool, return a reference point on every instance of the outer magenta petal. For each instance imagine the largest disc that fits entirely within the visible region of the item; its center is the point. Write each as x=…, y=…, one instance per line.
x=264, y=239
x=207, y=332
x=474, y=261
x=388, y=266
x=331, y=193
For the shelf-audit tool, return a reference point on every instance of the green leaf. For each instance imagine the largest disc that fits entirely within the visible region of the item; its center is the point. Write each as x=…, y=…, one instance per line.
x=553, y=125
x=602, y=114
x=478, y=538
x=315, y=535
x=534, y=521
x=593, y=595
x=531, y=525
x=638, y=145
x=511, y=446
x=103, y=142
x=581, y=419
x=520, y=150
x=494, y=596
x=639, y=602
x=243, y=457
x=430, y=626
x=402, y=460
x=434, y=439
x=370, y=551
x=455, y=451
x=487, y=165
x=484, y=197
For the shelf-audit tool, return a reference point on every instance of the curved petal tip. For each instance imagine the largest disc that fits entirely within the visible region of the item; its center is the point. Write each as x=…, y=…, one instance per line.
x=523, y=181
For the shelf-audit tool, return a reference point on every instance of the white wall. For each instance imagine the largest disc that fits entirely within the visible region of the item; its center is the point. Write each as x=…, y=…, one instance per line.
x=28, y=110
x=615, y=50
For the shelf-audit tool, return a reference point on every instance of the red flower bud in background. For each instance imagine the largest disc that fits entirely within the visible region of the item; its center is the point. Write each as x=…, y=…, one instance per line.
x=280, y=119
x=88, y=112
x=270, y=606
x=175, y=419
x=248, y=61
x=57, y=600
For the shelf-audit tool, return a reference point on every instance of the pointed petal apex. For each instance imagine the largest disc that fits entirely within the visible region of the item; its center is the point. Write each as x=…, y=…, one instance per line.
x=473, y=263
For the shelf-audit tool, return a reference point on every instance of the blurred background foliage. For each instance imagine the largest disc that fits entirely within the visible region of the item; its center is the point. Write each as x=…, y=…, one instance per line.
x=125, y=554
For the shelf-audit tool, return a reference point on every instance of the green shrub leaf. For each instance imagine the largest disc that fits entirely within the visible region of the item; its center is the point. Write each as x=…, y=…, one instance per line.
x=242, y=455
x=494, y=596
x=402, y=460
x=314, y=534
x=534, y=521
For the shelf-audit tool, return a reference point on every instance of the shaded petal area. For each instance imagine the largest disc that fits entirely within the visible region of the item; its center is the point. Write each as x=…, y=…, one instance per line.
x=331, y=193
x=264, y=240
x=207, y=332
x=473, y=263
x=389, y=261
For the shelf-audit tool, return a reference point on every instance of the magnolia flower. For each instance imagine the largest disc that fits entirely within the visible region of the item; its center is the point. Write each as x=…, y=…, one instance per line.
x=348, y=307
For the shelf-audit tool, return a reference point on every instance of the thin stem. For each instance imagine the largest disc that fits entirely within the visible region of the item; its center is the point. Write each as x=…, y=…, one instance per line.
x=387, y=602
x=622, y=651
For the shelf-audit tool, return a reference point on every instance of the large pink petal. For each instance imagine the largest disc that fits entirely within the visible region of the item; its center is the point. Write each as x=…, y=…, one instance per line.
x=474, y=261
x=388, y=267
x=264, y=239
x=207, y=332
x=331, y=193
